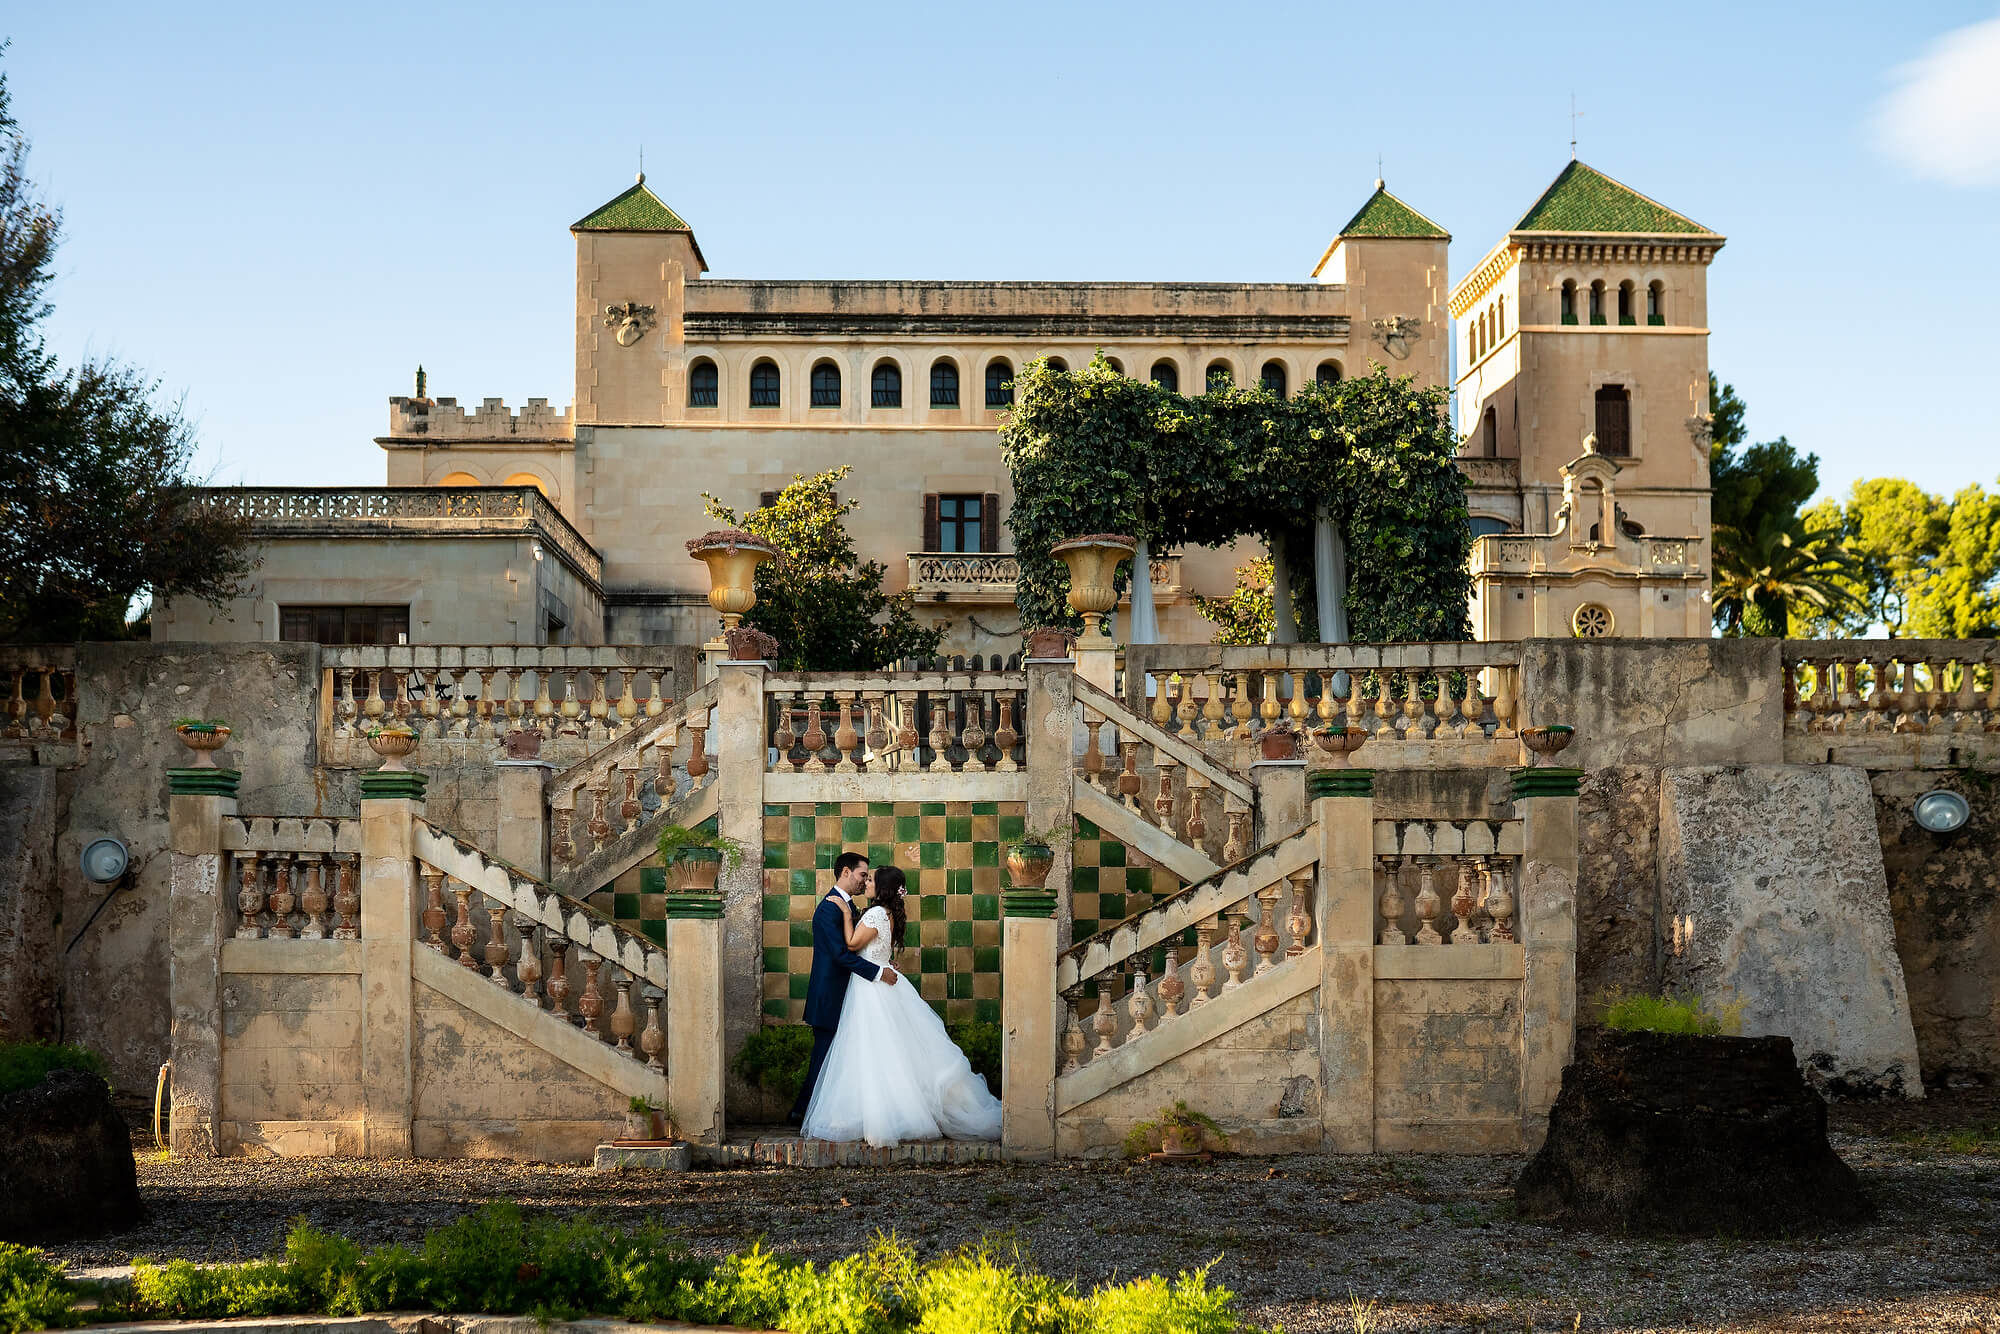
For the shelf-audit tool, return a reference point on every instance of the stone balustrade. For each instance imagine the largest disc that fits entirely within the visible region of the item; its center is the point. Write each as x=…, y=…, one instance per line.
x=1859, y=687
x=37, y=695
x=891, y=722
x=294, y=879
x=1446, y=882
x=991, y=576
x=616, y=792
x=1162, y=776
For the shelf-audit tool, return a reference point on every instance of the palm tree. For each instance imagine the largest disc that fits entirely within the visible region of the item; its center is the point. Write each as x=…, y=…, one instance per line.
x=1762, y=570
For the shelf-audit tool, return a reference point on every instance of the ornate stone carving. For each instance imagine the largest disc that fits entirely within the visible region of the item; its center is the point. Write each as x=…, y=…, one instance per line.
x=631, y=320
x=1397, y=333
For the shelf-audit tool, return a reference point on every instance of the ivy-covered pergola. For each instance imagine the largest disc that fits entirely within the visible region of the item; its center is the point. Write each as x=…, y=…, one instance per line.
x=1351, y=486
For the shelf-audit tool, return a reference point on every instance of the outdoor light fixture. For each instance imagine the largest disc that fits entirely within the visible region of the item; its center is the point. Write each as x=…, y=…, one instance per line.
x=538, y=551
x=1942, y=812
x=104, y=860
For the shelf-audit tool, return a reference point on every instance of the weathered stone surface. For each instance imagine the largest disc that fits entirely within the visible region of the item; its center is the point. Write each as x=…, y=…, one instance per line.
x=655, y=1158
x=1670, y=1133
x=1944, y=890
x=66, y=1159
x=1617, y=884
x=1779, y=872
x=1659, y=701
x=33, y=807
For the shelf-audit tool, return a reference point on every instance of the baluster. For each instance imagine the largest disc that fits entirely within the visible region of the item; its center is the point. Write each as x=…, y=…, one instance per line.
x=1201, y=972
x=1993, y=694
x=1240, y=709
x=1162, y=711
x=462, y=932
x=1105, y=1021
x=1299, y=922
x=653, y=1040
x=814, y=741
x=906, y=730
x=345, y=704
x=1093, y=757
x=656, y=693
x=346, y=901
x=1171, y=988
x=400, y=704
x=1163, y=804
x=1073, y=1041
x=940, y=702
x=1428, y=903
x=1268, y=711
x=1464, y=905
x=591, y=1003
x=600, y=803
x=1878, y=693
x=282, y=899
x=312, y=897
x=492, y=709
x=427, y=708
x=1794, y=710
x=528, y=962
x=628, y=772
x=623, y=1022
x=544, y=708
x=558, y=987
x=562, y=810
x=975, y=732
x=1967, y=704
x=627, y=707
x=697, y=765
x=1234, y=956
x=1413, y=705
x=249, y=898
x=460, y=708
x=1005, y=738
x=1391, y=902
x=1505, y=699
x=1211, y=707
x=1912, y=700
x=1128, y=776
x=1356, y=715
x=571, y=708
x=874, y=706
x=1197, y=824
x=1499, y=903
x=845, y=739
x=782, y=736
x=1139, y=1001
x=663, y=776
x=1440, y=707
x=1237, y=847
x=1296, y=710
x=1267, y=940
x=496, y=944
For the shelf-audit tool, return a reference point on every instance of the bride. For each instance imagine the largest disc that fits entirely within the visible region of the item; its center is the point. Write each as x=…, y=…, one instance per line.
x=893, y=1073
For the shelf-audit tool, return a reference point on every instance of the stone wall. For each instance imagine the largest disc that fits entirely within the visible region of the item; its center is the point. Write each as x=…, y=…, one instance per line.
x=1448, y=1065
x=291, y=1062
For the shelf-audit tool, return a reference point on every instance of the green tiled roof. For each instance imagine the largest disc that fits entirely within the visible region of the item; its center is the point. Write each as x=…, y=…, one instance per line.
x=1384, y=215
x=1584, y=199
x=637, y=210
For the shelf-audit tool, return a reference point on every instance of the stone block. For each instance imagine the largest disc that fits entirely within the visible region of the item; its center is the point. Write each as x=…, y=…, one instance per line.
x=1779, y=871
x=1617, y=883
x=629, y=1158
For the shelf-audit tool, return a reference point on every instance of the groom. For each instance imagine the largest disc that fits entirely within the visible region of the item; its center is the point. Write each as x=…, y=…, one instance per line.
x=832, y=962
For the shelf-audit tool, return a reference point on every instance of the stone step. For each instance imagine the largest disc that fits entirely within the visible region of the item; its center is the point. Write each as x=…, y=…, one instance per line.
x=781, y=1147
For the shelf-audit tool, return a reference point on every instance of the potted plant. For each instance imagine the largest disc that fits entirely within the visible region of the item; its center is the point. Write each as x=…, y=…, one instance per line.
x=649, y=1121
x=203, y=736
x=1278, y=742
x=749, y=644
x=1180, y=1129
x=1030, y=857
x=694, y=857
x=1340, y=742
x=392, y=741
x=1048, y=641
x=1547, y=742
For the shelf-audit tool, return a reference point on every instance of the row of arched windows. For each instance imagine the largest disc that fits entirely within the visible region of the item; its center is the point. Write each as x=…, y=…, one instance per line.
x=885, y=383
x=1487, y=330
x=1627, y=297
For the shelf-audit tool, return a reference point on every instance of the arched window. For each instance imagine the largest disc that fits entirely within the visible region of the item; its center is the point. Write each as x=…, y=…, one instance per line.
x=1569, y=301
x=1115, y=364
x=826, y=385
x=1489, y=434
x=1656, y=302
x=1597, y=302
x=1328, y=372
x=703, y=385
x=1500, y=317
x=1058, y=364
x=944, y=384
x=1167, y=376
x=1274, y=378
x=999, y=384
x=764, y=384
x=1627, y=303
x=459, y=479
x=1614, y=421
x=1485, y=525
x=886, y=387
x=527, y=479
x=1219, y=375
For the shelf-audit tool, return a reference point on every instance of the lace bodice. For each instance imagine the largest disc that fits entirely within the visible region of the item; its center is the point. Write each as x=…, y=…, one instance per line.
x=880, y=951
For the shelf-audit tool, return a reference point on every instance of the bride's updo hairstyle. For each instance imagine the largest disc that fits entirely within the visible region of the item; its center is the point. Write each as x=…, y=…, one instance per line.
x=889, y=892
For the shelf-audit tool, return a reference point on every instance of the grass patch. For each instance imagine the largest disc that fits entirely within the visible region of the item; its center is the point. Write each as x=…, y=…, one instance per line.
x=1966, y=1139
x=500, y=1262
x=26, y=1064
x=1639, y=1013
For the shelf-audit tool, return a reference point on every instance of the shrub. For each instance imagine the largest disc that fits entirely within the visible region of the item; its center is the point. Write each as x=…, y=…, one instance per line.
x=33, y=1294
x=26, y=1064
x=1638, y=1013
x=980, y=1041
x=775, y=1059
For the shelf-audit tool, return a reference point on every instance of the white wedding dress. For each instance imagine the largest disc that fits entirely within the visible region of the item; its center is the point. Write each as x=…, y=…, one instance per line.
x=893, y=1073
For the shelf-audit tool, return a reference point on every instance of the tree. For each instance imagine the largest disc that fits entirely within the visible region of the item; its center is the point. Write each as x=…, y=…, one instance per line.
x=1244, y=616
x=824, y=605
x=1928, y=567
x=1960, y=599
x=96, y=504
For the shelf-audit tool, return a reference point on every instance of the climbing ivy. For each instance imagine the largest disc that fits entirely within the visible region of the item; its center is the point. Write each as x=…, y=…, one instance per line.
x=1093, y=451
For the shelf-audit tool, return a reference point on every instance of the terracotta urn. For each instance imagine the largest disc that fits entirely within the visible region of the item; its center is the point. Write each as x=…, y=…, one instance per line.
x=523, y=744
x=1278, y=743
x=1029, y=863
x=1048, y=642
x=1093, y=562
x=392, y=744
x=204, y=742
x=1340, y=742
x=732, y=557
x=749, y=644
x=641, y=1125
x=1547, y=742
x=696, y=868
x=1174, y=1140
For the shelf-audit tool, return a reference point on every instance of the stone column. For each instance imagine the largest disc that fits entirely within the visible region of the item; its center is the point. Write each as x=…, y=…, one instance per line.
x=197, y=922
x=1343, y=802
x=697, y=1051
x=1031, y=1013
x=1545, y=924
x=739, y=814
x=524, y=815
x=1281, y=800
x=1051, y=723
x=391, y=801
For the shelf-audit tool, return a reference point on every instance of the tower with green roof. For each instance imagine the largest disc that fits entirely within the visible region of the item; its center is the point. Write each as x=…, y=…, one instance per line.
x=1393, y=262
x=634, y=256
x=1580, y=349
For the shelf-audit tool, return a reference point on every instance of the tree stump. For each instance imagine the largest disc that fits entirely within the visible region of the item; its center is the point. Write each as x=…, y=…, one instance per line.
x=66, y=1159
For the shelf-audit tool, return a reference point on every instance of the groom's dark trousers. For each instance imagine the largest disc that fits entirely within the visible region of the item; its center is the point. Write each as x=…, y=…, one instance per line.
x=826, y=990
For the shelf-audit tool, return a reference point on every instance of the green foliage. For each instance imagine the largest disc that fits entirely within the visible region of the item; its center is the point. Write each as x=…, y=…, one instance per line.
x=774, y=1058
x=1243, y=617
x=1144, y=1137
x=680, y=843
x=33, y=1294
x=823, y=604
x=980, y=1041
x=25, y=1064
x=1928, y=567
x=1154, y=1305
x=199, y=725
x=98, y=502
x=1094, y=451
x=1638, y=1013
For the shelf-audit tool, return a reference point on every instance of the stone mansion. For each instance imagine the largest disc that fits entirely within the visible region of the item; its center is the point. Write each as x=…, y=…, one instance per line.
x=1577, y=346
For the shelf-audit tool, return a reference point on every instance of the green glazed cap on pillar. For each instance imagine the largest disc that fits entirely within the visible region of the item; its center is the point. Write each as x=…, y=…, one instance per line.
x=1028, y=903
x=695, y=904
x=1544, y=782
x=1340, y=783
x=382, y=784
x=203, y=782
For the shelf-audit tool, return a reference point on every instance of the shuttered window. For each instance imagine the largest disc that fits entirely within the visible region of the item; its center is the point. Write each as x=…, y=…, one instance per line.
x=1614, y=421
x=344, y=625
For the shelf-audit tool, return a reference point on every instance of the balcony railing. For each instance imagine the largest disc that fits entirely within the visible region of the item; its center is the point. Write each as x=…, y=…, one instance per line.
x=1515, y=553
x=975, y=576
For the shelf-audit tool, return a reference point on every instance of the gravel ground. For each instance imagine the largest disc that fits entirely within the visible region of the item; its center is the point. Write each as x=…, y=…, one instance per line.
x=1430, y=1240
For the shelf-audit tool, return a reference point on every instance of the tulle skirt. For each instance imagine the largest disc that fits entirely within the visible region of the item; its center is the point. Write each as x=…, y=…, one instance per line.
x=894, y=1074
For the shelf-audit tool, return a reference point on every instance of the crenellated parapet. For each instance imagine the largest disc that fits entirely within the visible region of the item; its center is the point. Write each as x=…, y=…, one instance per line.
x=442, y=419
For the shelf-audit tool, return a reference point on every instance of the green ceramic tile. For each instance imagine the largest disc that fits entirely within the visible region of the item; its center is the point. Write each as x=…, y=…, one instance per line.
x=881, y=808
x=625, y=907
x=985, y=854
x=930, y=808
x=985, y=808
x=932, y=908
x=801, y=983
x=931, y=960
x=1012, y=827
x=776, y=855
x=881, y=854
x=958, y=829
x=1085, y=829
x=985, y=907
x=827, y=808
x=778, y=1009
x=777, y=908
x=909, y=829
x=1110, y=853
x=958, y=934
x=656, y=930
x=986, y=959
x=777, y=810
x=1138, y=880
x=802, y=935
x=986, y=1011
x=824, y=855
x=652, y=880
x=802, y=829
x=931, y=856
x=1083, y=880
x=854, y=829
x=955, y=882
x=777, y=959
x=804, y=884
x=1111, y=907
x=1083, y=927
x=958, y=986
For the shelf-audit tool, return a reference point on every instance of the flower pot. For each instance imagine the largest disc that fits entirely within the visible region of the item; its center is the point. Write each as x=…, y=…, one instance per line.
x=1180, y=1140
x=1093, y=562
x=695, y=868
x=1028, y=864
x=523, y=744
x=639, y=1125
x=732, y=557
x=204, y=742
x=748, y=644
x=392, y=747
x=1340, y=742
x=1279, y=743
x=1547, y=742
x=1048, y=643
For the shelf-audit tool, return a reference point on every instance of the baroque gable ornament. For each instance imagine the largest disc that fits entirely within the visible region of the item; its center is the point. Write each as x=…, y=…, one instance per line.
x=1397, y=332
x=631, y=320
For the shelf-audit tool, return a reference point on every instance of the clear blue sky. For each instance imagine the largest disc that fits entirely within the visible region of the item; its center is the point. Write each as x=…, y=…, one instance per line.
x=281, y=211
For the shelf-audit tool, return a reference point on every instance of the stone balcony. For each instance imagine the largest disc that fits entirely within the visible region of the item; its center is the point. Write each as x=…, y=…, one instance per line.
x=989, y=577
x=1482, y=474
x=1530, y=553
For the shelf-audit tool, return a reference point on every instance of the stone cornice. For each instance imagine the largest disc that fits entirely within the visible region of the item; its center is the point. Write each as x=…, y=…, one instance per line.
x=1479, y=282
x=700, y=326
x=1570, y=248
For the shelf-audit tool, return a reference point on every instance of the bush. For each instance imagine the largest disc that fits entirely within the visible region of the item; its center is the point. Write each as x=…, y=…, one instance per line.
x=775, y=1059
x=980, y=1041
x=1633, y=1013
x=33, y=1294
x=26, y=1064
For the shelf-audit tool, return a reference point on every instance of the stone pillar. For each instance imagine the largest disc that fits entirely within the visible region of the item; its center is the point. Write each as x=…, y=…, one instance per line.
x=739, y=814
x=1281, y=800
x=1545, y=924
x=391, y=801
x=1031, y=1013
x=1344, y=810
x=1097, y=661
x=1051, y=722
x=697, y=1051
x=197, y=922
x=1145, y=624
x=524, y=815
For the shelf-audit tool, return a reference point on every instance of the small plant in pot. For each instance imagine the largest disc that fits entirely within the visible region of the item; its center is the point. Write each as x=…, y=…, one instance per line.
x=203, y=736
x=648, y=1120
x=1049, y=641
x=392, y=741
x=1180, y=1130
x=1279, y=742
x=1031, y=856
x=694, y=857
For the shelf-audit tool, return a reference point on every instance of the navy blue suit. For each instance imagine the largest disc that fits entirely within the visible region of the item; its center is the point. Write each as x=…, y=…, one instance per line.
x=826, y=990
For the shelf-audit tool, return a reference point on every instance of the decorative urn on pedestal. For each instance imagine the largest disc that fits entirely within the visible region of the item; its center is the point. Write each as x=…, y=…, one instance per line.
x=202, y=737
x=1340, y=742
x=732, y=557
x=1093, y=561
x=392, y=742
x=1547, y=742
